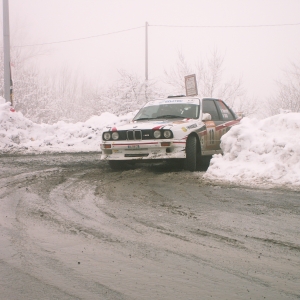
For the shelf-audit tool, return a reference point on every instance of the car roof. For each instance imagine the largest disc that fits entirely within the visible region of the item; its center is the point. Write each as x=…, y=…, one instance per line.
x=171, y=100
x=209, y=98
x=193, y=97
x=177, y=99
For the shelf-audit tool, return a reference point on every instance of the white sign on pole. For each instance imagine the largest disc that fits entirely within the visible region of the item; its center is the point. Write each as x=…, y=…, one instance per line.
x=191, y=85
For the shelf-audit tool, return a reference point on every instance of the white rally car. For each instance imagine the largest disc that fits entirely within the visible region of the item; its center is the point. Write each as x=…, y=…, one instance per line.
x=178, y=127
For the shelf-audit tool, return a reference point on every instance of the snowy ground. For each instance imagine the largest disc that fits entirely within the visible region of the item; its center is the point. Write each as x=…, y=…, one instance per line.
x=256, y=152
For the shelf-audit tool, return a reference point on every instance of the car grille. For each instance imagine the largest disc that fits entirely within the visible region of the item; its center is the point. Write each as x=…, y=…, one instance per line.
x=135, y=135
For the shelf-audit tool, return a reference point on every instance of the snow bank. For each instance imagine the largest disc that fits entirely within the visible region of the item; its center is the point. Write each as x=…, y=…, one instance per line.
x=18, y=134
x=260, y=152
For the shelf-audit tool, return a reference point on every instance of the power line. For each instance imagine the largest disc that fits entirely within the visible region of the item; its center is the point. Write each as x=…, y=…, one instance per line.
x=78, y=39
x=227, y=26
x=171, y=26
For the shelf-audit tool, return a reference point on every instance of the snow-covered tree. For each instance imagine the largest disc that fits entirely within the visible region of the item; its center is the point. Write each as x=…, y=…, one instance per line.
x=130, y=92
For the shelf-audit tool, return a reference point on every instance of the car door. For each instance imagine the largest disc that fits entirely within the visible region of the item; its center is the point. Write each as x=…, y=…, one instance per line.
x=211, y=140
x=228, y=119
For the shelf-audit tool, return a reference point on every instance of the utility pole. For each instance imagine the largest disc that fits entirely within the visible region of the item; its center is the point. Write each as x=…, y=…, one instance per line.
x=146, y=51
x=146, y=61
x=8, y=95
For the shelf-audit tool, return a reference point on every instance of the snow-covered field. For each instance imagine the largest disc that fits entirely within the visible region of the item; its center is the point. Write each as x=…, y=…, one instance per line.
x=256, y=152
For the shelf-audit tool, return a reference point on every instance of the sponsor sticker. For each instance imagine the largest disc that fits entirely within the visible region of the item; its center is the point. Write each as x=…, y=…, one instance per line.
x=192, y=126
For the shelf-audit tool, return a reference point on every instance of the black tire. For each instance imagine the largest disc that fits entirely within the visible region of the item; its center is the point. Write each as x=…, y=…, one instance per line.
x=203, y=162
x=191, y=153
x=116, y=164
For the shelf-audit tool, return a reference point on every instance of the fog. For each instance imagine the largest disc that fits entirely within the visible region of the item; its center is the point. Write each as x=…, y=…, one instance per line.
x=258, y=39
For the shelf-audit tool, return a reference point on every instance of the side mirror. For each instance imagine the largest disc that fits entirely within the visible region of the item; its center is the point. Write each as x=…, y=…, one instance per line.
x=206, y=117
x=240, y=114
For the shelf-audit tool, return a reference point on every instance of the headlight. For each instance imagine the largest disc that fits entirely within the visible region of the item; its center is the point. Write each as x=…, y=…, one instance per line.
x=106, y=136
x=157, y=134
x=115, y=135
x=167, y=134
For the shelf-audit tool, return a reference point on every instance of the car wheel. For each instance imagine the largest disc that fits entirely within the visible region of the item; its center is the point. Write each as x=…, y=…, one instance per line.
x=191, y=153
x=116, y=164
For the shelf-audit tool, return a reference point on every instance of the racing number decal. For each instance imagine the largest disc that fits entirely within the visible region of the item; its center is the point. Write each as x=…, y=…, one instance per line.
x=211, y=137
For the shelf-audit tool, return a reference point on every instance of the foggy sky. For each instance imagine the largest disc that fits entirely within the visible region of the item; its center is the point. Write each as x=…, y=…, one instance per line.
x=257, y=54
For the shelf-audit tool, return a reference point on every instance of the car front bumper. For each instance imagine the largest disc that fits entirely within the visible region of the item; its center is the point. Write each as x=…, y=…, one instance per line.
x=150, y=149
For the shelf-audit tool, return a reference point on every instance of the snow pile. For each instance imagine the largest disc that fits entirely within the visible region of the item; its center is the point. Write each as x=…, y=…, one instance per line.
x=18, y=134
x=265, y=152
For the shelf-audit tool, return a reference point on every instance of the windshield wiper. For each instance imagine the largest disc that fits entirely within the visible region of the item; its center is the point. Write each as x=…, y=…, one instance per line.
x=168, y=117
x=160, y=117
x=143, y=119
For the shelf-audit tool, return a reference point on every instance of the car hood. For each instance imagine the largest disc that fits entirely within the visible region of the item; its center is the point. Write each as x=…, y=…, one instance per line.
x=154, y=124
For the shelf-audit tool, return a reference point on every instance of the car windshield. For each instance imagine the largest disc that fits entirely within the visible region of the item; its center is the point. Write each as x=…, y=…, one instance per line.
x=168, y=111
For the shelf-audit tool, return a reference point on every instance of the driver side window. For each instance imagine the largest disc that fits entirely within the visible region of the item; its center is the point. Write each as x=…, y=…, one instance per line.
x=209, y=106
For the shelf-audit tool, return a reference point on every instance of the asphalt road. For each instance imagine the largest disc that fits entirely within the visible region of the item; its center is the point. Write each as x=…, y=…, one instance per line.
x=71, y=228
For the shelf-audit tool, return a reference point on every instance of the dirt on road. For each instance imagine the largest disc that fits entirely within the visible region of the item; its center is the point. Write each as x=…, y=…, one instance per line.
x=71, y=228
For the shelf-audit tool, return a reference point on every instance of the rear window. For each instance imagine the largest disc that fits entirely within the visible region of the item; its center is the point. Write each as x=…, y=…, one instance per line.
x=225, y=111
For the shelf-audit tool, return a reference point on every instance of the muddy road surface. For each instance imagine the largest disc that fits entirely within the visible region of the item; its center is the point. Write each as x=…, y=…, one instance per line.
x=71, y=228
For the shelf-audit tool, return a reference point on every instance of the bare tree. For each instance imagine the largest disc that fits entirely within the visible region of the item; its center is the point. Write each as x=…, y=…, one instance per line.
x=29, y=93
x=175, y=77
x=211, y=82
x=288, y=94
